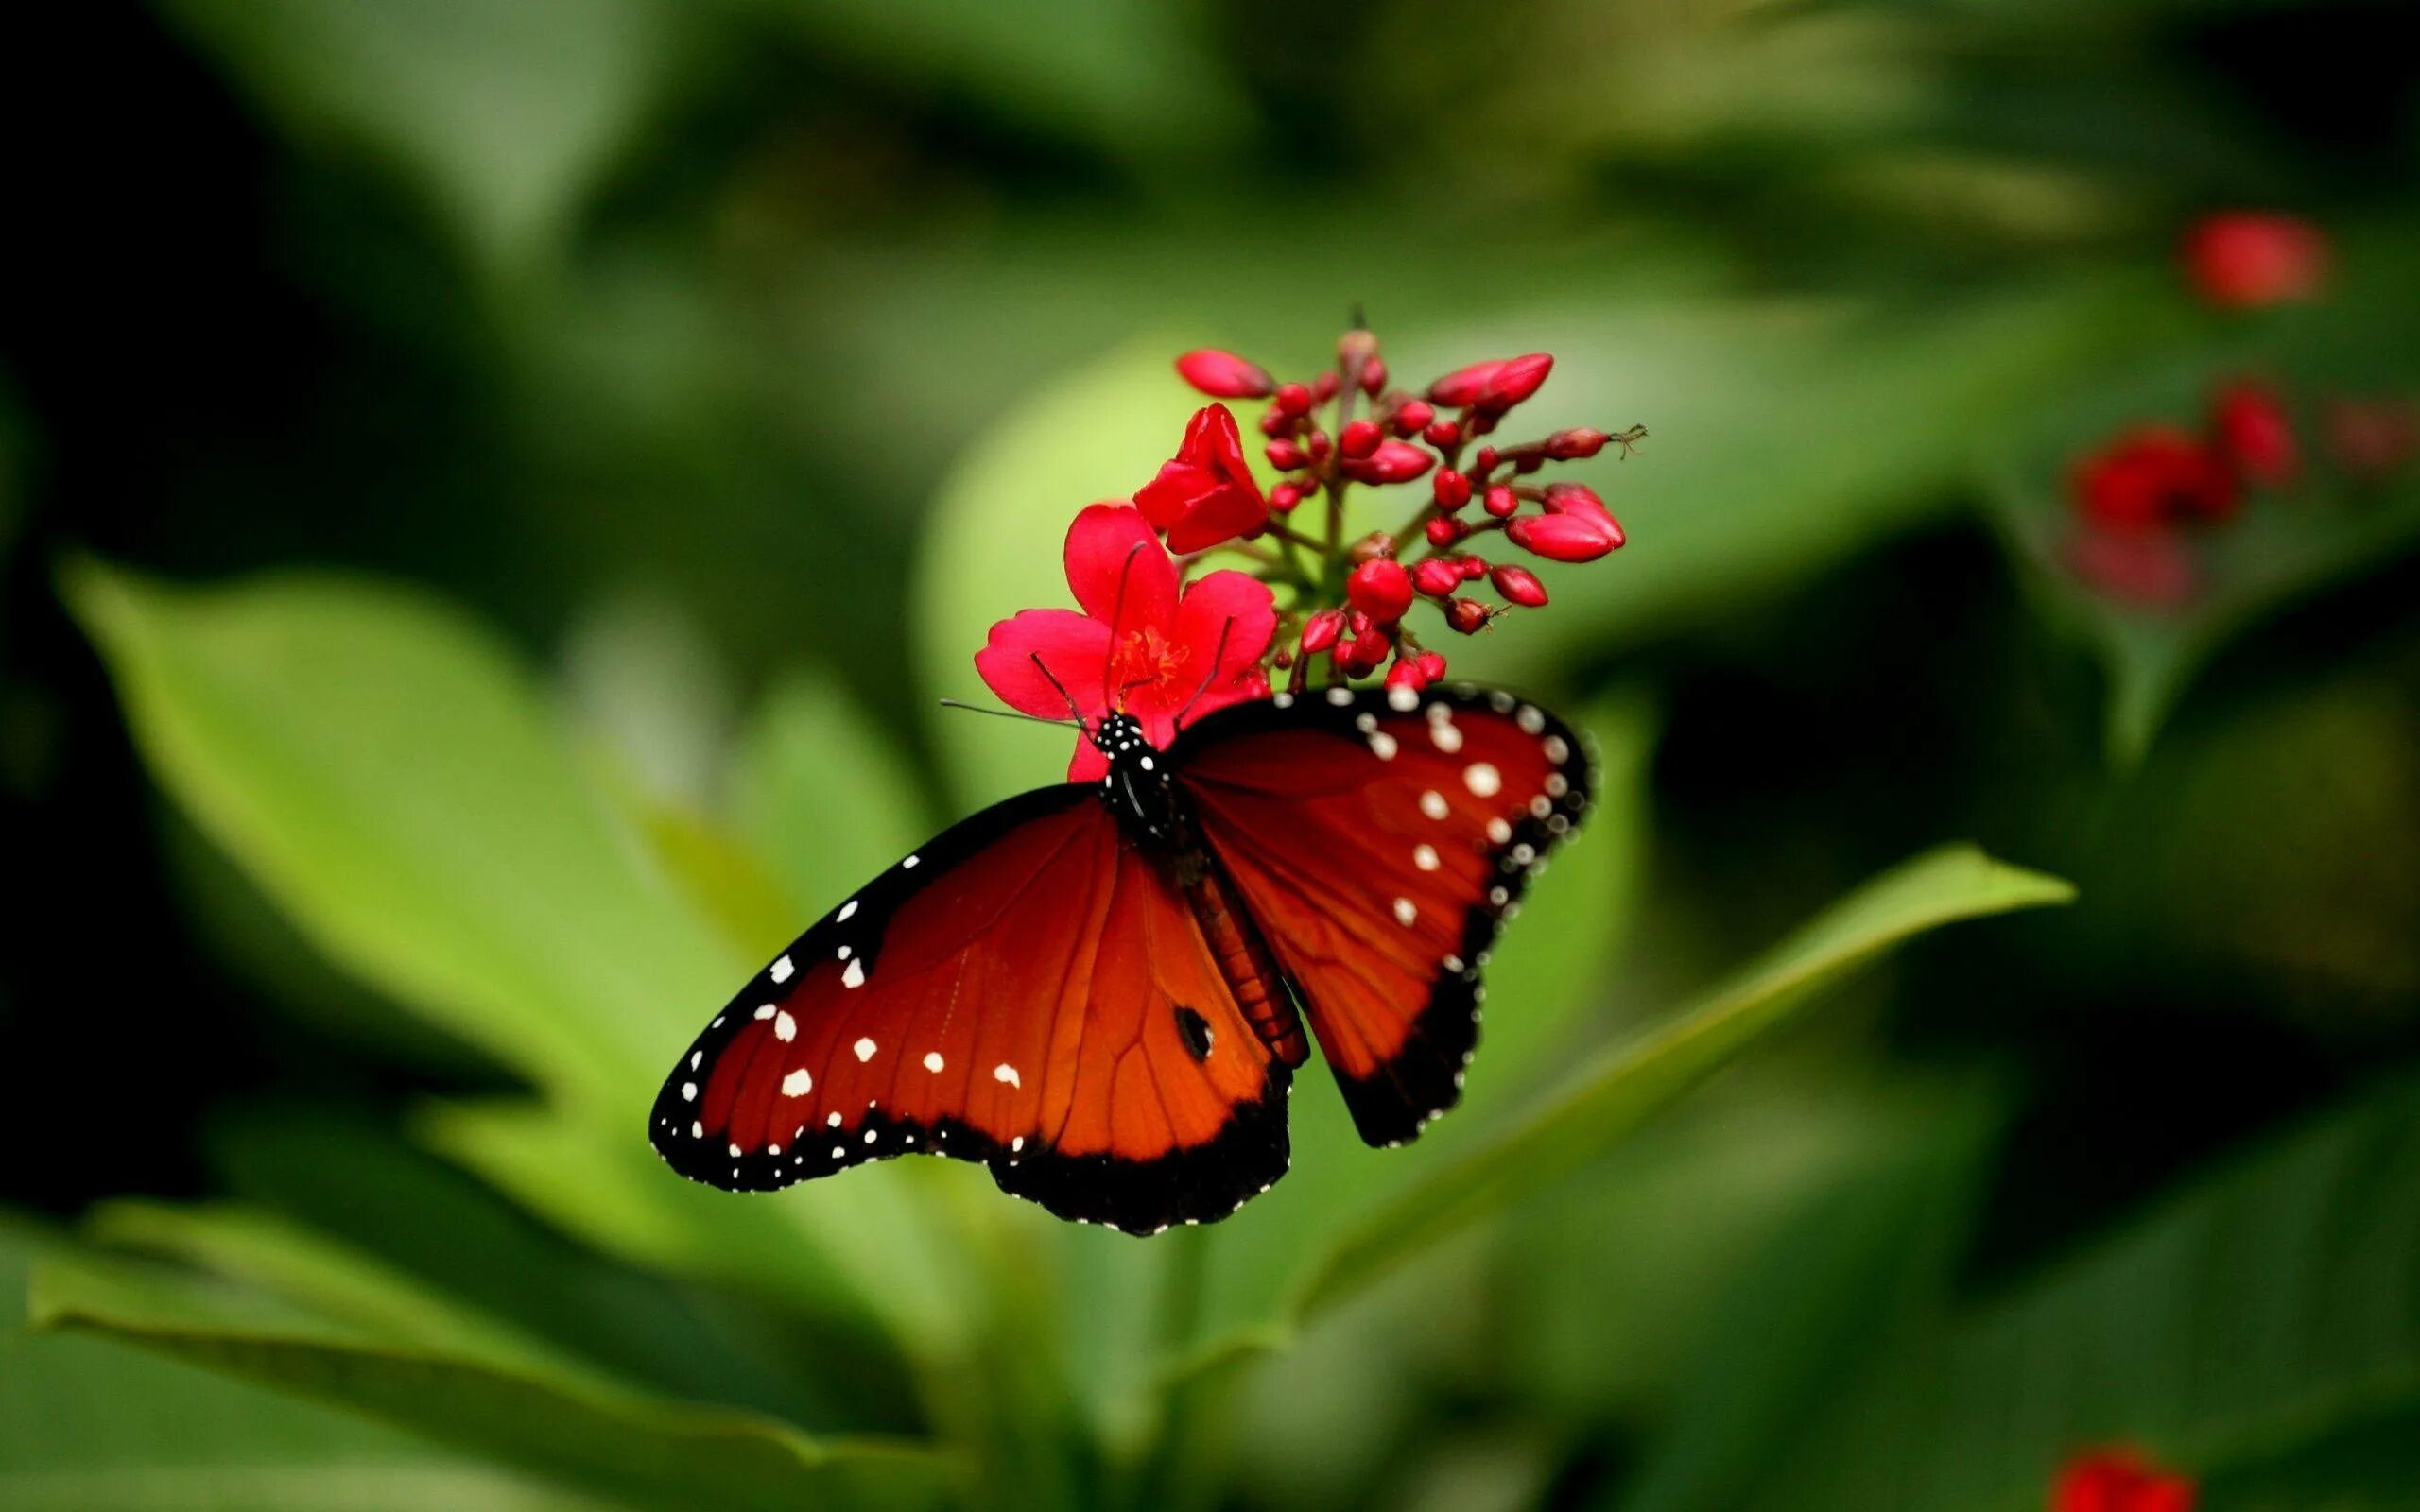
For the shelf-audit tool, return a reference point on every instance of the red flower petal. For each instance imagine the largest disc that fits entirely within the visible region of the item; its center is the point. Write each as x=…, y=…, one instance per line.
x=1074, y=648
x=1229, y=615
x=1117, y=568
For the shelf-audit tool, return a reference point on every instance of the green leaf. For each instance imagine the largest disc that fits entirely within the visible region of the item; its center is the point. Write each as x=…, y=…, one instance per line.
x=504, y=117
x=91, y=1425
x=617, y=1444
x=1132, y=80
x=821, y=794
x=2261, y=1320
x=390, y=778
x=1622, y=1088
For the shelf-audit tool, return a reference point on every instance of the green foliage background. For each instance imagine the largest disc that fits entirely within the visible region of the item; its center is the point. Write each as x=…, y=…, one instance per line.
x=489, y=494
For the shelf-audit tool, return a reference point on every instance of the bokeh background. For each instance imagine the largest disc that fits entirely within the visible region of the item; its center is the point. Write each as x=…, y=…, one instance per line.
x=490, y=492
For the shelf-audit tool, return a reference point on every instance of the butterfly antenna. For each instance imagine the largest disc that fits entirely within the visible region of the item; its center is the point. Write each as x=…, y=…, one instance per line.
x=1117, y=617
x=1005, y=713
x=1073, y=712
x=1218, y=656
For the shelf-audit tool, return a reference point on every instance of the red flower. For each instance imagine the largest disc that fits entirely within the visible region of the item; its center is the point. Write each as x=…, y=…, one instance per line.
x=1380, y=589
x=1207, y=493
x=2254, y=434
x=2118, y=1479
x=2151, y=477
x=2246, y=259
x=1139, y=646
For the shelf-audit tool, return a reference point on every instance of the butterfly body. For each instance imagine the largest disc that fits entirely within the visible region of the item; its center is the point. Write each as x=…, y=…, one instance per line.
x=1099, y=989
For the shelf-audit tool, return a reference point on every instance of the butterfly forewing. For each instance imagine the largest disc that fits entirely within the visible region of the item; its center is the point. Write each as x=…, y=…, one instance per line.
x=1030, y=990
x=1379, y=838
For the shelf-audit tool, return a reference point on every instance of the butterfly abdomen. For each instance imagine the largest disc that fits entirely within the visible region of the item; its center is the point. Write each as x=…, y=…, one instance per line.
x=1248, y=968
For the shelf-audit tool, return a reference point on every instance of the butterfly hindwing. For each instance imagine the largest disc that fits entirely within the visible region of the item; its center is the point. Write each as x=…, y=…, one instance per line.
x=1379, y=838
x=1030, y=990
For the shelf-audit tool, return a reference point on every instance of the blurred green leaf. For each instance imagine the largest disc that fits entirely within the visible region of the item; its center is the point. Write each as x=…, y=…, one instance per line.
x=1606, y=1100
x=2261, y=1316
x=1833, y=1281
x=1133, y=81
x=821, y=794
x=505, y=117
x=390, y=778
x=91, y=1425
x=646, y=1451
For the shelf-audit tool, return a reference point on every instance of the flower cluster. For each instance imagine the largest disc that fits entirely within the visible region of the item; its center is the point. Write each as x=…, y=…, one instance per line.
x=1167, y=645
x=2118, y=1479
x=2139, y=497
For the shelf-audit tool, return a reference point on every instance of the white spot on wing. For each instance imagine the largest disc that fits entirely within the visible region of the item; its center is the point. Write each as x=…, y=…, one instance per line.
x=785, y=1027
x=688, y=1091
x=1445, y=735
x=1433, y=804
x=1425, y=857
x=1498, y=831
x=782, y=969
x=1405, y=914
x=1016, y=1144
x=1004, y=1072
x=848, y=911
x=1482, y=779
x=1558, y=749
x=1529, y=719
x=865, y=1049
x=765, y=1012
x=1403, y=700
x=854, y=975
x=1382, y=746
x=1339, y=695
x=932, y=1060
x=697, y=1129
x=798, y=1083
x=910, y=865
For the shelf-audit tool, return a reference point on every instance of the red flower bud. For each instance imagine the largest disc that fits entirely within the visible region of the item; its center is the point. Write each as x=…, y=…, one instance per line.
x=1432, y=666
x=1374, y=376
x=1502, y=501
x=1363, y=654
x=1437, y=577
x=2152, y=476
x=1285, y=455
x=1570, y=498
x=1481, y=423
x=1284, y=497
x=1405, y=673
x=2254, y=434
x=1275, y=423
x=1324, y=388
x=1293, y=399
x=1359, y=440
x=1253, y=683
x=1580, y=536
x=1485, y=458
x=1515, y=381
x=1380, y=589
x=1445, y=530
x=1451, y=489
x=1412, y=416
x=1321, y=630
x=1392, y=462
x=1520, y=586
x=1474, y=568
x=1442, y=432
x=2118, y=1479
x=1576, y=443
x=1463, y=385
x=1468, y=615
x=1358, y=621
x=1321, y=446
x=1224, y=375
x=2243, y=259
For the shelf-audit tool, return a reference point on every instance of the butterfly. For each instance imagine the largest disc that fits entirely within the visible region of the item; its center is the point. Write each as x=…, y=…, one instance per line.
x=1099, y=990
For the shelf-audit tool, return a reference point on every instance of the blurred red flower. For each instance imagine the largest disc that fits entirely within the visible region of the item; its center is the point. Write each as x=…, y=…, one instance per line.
x=1164, y=656
x=2246, y=259
x=2255, y=435
x=2151, y=477
x=1206, y=494
x=2118, y=1479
